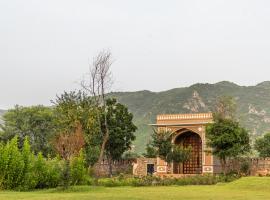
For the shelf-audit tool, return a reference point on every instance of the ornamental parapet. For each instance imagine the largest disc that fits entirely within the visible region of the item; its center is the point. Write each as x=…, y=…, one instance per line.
x=185, y=116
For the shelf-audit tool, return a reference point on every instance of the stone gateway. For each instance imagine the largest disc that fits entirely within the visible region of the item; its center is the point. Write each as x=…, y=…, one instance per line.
x=188, y=130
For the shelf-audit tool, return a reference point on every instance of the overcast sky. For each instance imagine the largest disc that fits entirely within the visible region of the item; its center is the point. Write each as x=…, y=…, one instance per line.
x=46, y=45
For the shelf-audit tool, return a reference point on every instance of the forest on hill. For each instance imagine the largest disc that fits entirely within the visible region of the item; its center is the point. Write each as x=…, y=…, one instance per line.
x=253, y=105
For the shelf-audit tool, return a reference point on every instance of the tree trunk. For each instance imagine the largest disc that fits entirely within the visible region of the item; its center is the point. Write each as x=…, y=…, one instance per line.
x=103, y=145
x=223, y=165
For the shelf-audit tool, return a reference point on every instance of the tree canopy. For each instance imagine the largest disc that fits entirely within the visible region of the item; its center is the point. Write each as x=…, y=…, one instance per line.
x=162, y=146
x=36, y=122
x=262, y=145
x=121, y=130
x=227, y=139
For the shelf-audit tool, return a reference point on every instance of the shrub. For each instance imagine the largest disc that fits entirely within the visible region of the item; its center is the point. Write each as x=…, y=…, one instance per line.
x=11, y=165
x=53, y=171
x=157, y=181
x=78, y=171
x=228, y=177
x=245, y=167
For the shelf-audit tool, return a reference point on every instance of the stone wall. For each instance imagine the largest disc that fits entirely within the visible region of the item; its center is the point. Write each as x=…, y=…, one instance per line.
x=260, y=167
x=140, y=166
x=121, y=166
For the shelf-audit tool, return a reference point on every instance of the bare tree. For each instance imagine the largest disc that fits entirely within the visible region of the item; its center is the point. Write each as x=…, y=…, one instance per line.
x=97, y=85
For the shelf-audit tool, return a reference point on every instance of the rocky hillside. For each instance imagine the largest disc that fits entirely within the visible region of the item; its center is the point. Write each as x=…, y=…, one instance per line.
x=253, y=105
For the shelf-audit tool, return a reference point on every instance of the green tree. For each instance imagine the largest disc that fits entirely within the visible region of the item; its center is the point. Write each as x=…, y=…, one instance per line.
x=150, y=151
x=73, y=108
x=179, y=154
x=35, y=122
x=121, y=131
x=227, y=140
x=162, y=143
x=162, y=146
x=262, y=145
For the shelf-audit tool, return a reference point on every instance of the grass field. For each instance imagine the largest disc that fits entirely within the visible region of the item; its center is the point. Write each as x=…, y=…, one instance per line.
x=250, y=188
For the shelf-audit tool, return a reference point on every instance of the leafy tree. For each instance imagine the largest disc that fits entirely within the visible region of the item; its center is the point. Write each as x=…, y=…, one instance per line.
x=163, y=147
x=227, y=139
x=179, y=154
x=150, y=151
x=262, y=145
x=162, y=143
x=35, y=122
x=76, y=108
x=121, y=131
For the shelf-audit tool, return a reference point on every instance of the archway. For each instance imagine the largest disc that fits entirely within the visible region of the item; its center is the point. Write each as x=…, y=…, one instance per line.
x=194, y=164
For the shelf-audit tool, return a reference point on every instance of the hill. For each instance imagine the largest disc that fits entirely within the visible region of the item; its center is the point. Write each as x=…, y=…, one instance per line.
x=253, y=105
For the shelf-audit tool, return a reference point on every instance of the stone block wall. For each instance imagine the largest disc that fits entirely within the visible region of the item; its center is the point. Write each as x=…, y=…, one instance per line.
x=140, y=166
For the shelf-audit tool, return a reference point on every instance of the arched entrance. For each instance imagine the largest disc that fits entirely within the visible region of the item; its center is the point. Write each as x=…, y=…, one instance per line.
x=194, y=165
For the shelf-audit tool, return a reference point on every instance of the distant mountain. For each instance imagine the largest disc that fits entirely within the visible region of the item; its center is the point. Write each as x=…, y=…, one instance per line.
x=253, y=105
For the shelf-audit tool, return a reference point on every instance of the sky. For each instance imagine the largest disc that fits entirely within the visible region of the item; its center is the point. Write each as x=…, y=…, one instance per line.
x=46, y=46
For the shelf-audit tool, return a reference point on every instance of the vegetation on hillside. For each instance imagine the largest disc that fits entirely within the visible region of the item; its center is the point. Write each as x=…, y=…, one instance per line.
x=253, y=106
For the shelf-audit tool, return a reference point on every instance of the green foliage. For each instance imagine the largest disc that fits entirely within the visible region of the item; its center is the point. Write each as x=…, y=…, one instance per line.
x=157, y=181
x=11, y=165
x=35, y=122
x=253, y=106
x=150, y=151
x=262, y=145
x=74, y=107
x=179, y=154
x=22, y=170
x=227, y=139
x=121, y=129
x=245, y=167
x=162, y=143
x=47, y=172
x=78, y=171
x=27, y=181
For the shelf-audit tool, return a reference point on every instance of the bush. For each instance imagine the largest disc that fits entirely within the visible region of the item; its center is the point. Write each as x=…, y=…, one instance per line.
x=11, y=165
x=232, y=176
x=77, y=170
x=157, y=181
x=21, y=170
x=245, y=167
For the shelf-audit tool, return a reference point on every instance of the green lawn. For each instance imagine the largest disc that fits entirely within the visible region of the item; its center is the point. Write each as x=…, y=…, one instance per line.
x=252, y=188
